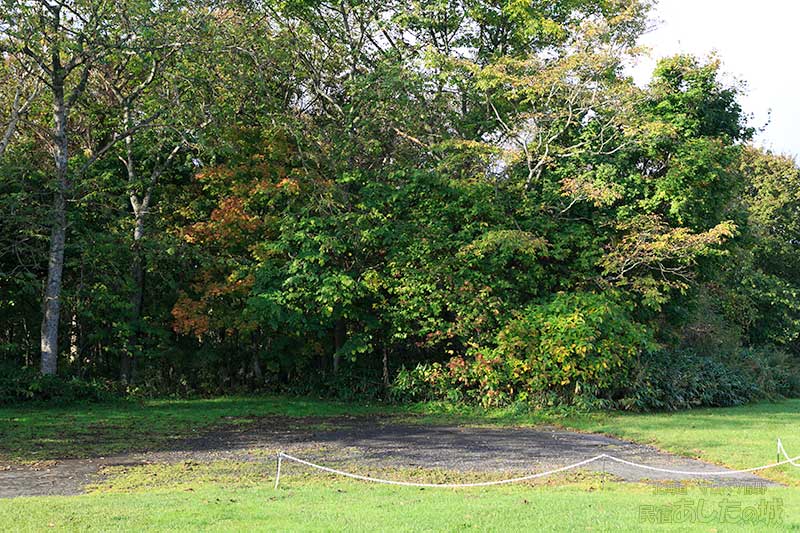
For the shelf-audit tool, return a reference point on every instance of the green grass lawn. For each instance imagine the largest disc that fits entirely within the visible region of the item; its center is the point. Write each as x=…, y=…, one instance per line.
x=239, y=497
x=738, y=437
x=319, y=503
x=33, y=433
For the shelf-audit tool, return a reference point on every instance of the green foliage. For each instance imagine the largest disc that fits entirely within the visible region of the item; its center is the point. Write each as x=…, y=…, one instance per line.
x=775, y=373
x=768, y=278
x=562, y=351
x=424, y=383
x=671, y=380
x=317, y=196
x=574, y=340
x=681, y=379
x=25, y=385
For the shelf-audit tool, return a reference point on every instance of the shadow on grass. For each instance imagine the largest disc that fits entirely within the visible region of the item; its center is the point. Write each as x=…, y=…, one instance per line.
x=92, y=430
x=33, y=433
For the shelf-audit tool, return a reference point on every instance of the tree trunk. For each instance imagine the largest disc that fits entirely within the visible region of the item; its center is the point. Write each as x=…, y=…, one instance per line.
x=127, y=360
x=339, y=333
x=255, y=346
x=140, y=207
x=29, y=343
x=386, y=366
x=258, y=374
x=55, y=264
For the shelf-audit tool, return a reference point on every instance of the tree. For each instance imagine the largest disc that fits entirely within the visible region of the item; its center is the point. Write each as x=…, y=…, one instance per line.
x=767, y=276
x=64, y=40
x=70, y=44
x=313, y=194
x=154, y=104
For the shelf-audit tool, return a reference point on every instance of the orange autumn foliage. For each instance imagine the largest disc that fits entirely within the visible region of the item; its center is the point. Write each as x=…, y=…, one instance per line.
x=196, y=316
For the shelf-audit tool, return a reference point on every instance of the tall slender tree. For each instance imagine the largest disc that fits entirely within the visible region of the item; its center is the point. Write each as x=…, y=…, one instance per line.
x=64, y=40
x=70, y=43
x=155, y=101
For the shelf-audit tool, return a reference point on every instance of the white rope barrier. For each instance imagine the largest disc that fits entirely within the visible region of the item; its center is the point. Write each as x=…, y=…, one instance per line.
x=440, y=485
x=781, y=450
x=701, y=472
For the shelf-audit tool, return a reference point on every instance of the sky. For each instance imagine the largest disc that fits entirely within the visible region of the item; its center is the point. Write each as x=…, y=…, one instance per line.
x=758, y=42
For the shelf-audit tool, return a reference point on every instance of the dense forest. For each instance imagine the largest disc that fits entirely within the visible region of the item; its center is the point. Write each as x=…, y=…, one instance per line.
x=460, y=200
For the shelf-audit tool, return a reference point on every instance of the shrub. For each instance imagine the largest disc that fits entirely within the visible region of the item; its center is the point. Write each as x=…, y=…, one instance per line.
x=682, y=379
x=672, y=380
x=775, y=373
x=564, y=352
x=26, y=385
x=572, y=342
x=584, y=351
x=425, y=382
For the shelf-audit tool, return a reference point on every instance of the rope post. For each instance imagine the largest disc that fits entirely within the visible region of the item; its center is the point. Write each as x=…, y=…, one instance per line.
x=778, y=453
x=278, y=470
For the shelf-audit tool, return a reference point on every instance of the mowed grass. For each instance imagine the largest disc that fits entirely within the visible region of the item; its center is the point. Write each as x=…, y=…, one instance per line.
x=318, y=503
x=42, y=432
x=239, y=496
x=740, y=437
x=32, y=433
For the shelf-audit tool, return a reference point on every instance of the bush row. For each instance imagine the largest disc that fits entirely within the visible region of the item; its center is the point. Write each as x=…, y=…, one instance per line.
x=659, y=380
x=26, y=385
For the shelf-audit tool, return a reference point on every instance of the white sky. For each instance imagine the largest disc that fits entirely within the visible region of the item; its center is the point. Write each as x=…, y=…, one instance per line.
x=758, y=42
